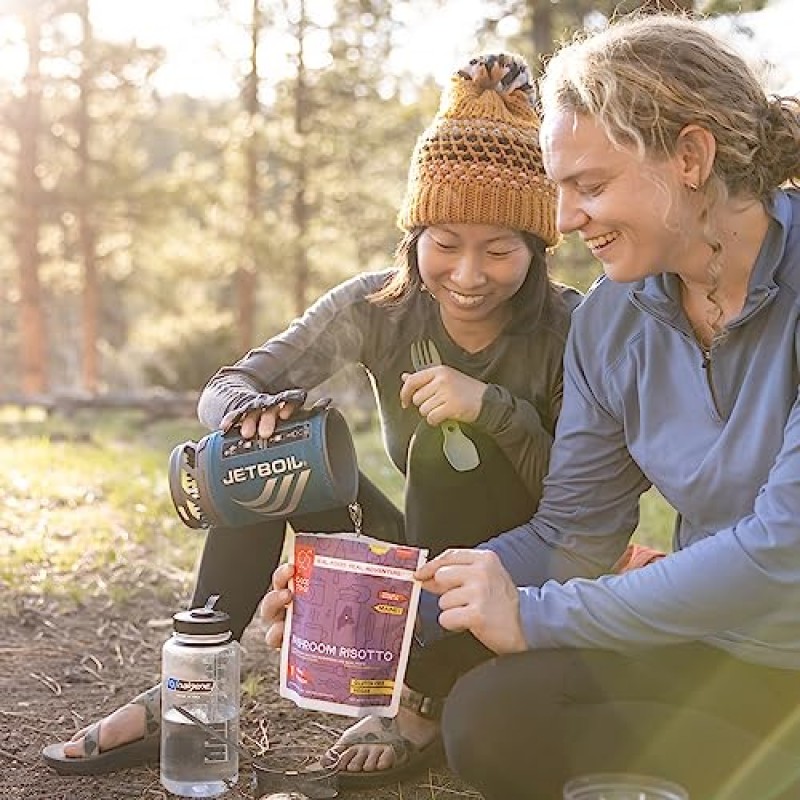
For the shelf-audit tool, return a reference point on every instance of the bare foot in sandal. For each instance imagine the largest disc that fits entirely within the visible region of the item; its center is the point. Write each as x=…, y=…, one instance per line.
x=127, y=737
x=126, y=724
x=379, y=750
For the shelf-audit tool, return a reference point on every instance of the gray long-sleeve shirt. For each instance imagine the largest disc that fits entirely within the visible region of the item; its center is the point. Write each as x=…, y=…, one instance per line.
x=522, y=367
x=720, y=439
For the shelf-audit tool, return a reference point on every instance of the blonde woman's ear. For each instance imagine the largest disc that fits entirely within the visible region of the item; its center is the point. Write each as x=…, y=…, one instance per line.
x=695, y=151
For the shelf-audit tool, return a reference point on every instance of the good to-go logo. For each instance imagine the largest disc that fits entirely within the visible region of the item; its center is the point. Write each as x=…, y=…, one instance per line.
x=303, y=567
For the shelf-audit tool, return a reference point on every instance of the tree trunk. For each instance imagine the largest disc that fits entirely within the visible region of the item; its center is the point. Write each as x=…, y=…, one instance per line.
x=246, y=274
x=86, y=230
x=300, y=205
x=541, y=14
x=32, y=330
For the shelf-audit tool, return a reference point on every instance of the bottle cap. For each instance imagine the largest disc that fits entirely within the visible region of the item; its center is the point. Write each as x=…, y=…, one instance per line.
x=201, y=622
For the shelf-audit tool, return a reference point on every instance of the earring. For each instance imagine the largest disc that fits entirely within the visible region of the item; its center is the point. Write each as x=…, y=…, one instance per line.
x=692, y=187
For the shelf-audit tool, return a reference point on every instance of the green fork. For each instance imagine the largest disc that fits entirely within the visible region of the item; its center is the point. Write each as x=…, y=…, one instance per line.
x=458, y=448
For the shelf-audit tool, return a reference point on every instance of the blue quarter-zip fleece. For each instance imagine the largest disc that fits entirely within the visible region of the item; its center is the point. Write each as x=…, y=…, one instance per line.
x=718, y=437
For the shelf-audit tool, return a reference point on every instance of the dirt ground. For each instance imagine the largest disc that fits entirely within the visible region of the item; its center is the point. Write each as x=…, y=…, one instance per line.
x=64, y=664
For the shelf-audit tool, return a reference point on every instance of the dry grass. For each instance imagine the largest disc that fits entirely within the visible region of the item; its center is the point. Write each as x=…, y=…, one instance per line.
x=93, y=562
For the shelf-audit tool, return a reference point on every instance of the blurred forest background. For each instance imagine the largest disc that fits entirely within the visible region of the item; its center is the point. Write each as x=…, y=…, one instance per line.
x=147, y=238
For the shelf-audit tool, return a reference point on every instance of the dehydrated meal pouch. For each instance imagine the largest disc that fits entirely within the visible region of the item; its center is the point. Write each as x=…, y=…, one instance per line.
x=350, y=625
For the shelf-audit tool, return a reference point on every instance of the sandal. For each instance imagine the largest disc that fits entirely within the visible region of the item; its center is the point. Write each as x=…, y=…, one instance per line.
x=410, y=759
x=139, y=752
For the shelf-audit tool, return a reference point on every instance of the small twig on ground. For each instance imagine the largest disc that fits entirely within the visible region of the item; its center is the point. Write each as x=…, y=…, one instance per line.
x=326, y=728
x=51, y=683
x=437, y=788
x=98, y=664
x=262, y=726
x=93, y=669
x=15, y=713
x=77, y=718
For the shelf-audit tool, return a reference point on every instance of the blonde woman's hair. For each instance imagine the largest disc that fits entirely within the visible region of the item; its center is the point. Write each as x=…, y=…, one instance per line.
x=645, y=78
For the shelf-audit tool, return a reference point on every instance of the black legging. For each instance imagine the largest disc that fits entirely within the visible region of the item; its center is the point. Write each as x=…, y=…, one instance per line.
x=443, y=508
x=518, y=727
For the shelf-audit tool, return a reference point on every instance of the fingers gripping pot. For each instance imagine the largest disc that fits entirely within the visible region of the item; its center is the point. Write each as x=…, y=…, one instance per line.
x=308, y=465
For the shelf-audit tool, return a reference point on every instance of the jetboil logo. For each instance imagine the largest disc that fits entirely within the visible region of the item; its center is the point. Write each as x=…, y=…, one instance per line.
x=283, y=489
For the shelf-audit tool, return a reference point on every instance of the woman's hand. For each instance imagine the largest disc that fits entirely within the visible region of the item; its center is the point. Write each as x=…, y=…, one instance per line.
x=260, y=414
x=274, y=604
x=442, y=393
x=476, y=594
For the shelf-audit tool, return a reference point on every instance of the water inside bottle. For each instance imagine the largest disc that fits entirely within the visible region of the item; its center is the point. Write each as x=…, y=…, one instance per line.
x=192, y=763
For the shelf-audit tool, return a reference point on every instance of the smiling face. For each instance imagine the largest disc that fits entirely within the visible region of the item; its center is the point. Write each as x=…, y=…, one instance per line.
x=630, y=212
x=473, y=271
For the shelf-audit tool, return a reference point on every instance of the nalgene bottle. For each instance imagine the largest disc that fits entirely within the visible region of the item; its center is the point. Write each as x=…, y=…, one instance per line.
x=200, y=675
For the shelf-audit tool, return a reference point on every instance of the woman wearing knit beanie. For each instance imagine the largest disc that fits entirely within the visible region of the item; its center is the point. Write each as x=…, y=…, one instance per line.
x=470, y=428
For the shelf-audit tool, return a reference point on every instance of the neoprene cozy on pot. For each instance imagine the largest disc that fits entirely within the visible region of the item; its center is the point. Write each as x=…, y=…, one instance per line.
x=308, y=465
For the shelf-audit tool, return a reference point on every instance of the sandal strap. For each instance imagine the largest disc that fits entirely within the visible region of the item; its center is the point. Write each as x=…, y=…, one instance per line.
x=150, y=699
x=422, y=705
x=91, y=741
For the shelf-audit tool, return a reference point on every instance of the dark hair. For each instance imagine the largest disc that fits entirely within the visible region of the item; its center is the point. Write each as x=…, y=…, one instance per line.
x=535, y=299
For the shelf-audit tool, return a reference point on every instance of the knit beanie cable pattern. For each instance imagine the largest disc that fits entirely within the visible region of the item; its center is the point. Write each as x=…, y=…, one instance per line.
x=479, y=160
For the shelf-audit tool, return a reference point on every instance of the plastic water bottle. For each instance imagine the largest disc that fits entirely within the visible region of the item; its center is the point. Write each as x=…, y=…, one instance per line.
x=200, y=674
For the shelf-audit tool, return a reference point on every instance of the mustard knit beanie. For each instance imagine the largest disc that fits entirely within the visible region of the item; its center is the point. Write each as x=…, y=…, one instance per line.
x=479, y=160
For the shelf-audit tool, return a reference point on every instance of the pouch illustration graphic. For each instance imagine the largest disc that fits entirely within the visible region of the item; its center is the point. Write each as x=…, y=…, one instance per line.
x=347, y=616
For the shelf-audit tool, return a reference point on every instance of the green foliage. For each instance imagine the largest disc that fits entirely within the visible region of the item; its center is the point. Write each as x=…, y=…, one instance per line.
x=730, y=6
x=656, y=522
x=572, y=264
x=538, y=25
x=85, y=500
x=373, y=461
x=252, y=685
x=182, y=351
x=169, y=184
